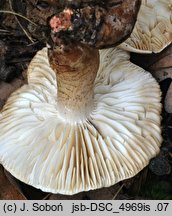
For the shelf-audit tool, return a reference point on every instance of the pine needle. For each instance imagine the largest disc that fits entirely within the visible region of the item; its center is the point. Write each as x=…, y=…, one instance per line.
x=119, y=190
x=17, y=14
x=23, y=29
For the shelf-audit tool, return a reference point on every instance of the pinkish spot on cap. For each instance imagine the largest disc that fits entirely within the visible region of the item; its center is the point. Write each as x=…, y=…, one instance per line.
x=62, y=21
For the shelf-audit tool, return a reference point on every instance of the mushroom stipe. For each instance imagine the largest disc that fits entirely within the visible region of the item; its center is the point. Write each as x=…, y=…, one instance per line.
x=59, y=152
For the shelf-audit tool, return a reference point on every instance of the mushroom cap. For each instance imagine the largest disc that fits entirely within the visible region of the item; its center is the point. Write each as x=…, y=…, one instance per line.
x=100, y=24
x=153, y=29
x=114, y=143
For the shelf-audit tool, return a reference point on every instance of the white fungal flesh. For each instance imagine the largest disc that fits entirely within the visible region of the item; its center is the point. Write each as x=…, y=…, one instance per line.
x=153, y=29
x=117, y=140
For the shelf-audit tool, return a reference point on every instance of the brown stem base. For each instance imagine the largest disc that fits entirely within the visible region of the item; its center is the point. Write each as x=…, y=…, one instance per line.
x=76, y=69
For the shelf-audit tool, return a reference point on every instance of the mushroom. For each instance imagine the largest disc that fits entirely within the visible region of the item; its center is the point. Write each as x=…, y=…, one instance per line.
x=100, y=24
x=162, y=70
x=153, y=29
x=86, y=119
